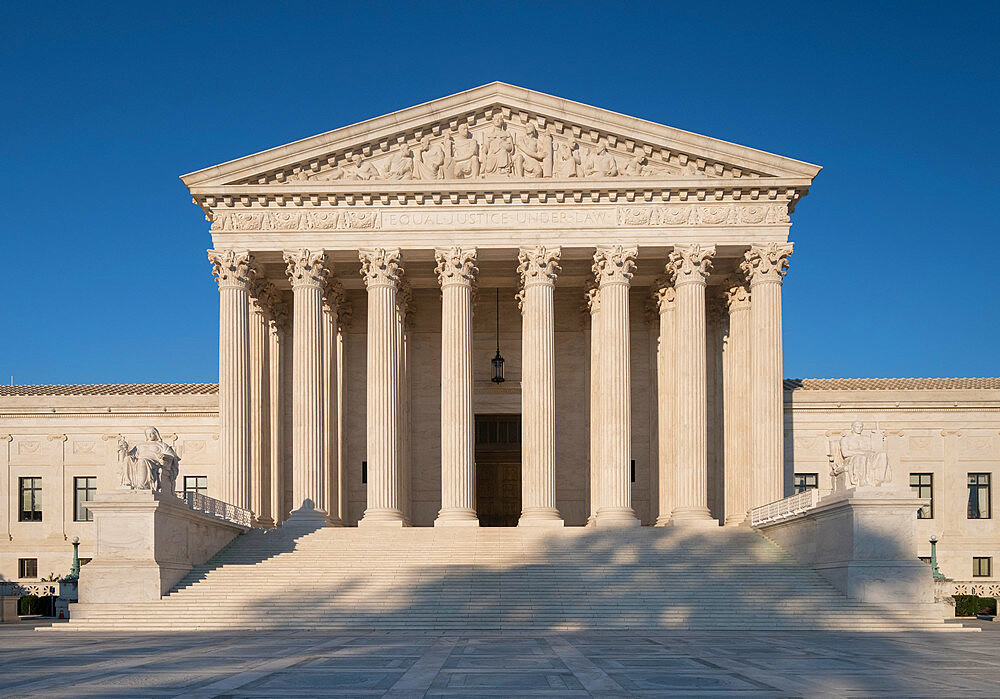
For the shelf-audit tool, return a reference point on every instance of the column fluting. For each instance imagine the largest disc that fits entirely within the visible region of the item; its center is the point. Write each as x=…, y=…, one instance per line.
x=765, y=266
x=260, y=423
x=538, y=269
x=690, y=265
x=613, y=268
x=307, y=271
x=736, y=390
x=456, y=270
x=332, y=295
x=276, y=345
x=665, y=297
x=593, y=302
x=381, y=270
x=232, y=271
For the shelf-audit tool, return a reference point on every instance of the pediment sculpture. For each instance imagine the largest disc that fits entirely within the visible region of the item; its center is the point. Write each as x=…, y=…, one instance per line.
x=150, y=465
x=502, y=149
x=859, y=458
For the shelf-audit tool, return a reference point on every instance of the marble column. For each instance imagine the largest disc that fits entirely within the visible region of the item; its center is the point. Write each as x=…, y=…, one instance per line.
x=456, y=270
x=614, y=266
x=232, y=271
x=381, y=270
x=404, y=328
x=260, y=423
x=538, y=269
x=332, y=295
x=593, y=302
x=736, y=388
x=765, y=267
x=276, y=346
x=665, y=297
x=307, y=271
x=690, y=265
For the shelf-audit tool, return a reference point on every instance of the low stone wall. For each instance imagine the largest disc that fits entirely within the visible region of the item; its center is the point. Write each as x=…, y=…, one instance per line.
x=145, y=543
x=861, y=540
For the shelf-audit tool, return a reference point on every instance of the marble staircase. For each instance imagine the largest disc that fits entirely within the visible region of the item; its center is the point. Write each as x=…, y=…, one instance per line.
x=500, y=578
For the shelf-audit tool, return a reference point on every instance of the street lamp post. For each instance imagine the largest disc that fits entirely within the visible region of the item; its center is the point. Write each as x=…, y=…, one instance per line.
x=74, y=572
x=934, y=564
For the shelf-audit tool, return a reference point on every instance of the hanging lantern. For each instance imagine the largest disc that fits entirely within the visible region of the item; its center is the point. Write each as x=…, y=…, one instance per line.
x=497, y=361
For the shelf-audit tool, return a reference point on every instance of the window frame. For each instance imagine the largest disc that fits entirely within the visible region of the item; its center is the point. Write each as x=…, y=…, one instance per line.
x=920, y=486
x=201, y=487
x=21, y=564
x=88, y=490
x=976, y=566
x=979, y=486
x=801, y=488
x=36, y=499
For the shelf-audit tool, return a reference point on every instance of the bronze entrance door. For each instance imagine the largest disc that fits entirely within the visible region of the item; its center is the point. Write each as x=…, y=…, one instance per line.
x=498, y=470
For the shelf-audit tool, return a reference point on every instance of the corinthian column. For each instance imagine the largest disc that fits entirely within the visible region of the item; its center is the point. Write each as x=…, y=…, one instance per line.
x=665, y=296
x=765, y=267
x=614, y=266
x=593, y=301
x=333, y=295
x=538, y=268
x=381, y=271
x=690, y=265
x=307, y=271
x=276, y=345
x=456, y=270
x=735, y=390
x=260, y=433
x=232, y=271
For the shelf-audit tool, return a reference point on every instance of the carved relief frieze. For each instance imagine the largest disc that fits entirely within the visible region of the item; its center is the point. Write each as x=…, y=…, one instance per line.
x=703, y=215
x=322, y=220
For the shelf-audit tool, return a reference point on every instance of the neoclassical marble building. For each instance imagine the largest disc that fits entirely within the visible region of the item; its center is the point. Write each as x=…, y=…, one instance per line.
x=628, y=274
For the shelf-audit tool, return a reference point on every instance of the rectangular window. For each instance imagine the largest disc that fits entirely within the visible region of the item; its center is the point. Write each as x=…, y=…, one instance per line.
x=805, y=481
x=982, y=566
x=632, y=471
x=27, y=567
x=84, y=488
x=364, y=472
x=30, y=509
x=922, y=485
x=196, y=484
x=979, y=496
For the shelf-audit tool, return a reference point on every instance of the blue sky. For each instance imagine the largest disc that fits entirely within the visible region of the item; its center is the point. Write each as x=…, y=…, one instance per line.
x=104, y=271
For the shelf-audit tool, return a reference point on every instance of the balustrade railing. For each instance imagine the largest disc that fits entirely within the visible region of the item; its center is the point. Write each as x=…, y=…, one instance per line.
x=217, y=508
x=16, y=588
x=782, y=509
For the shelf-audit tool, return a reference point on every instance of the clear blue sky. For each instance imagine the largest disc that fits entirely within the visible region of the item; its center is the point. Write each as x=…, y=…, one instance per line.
x=104, y=271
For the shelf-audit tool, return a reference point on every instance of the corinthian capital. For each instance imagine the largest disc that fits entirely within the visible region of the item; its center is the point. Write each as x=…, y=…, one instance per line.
x=737, y=294
x=691, y=263
x=614, y=264
x=456, y=265
x=538, y=265
x=766, y=263
x=663, y=294
x=231, y=268
x=380, y=266
x=307, y=268
x=333, y=293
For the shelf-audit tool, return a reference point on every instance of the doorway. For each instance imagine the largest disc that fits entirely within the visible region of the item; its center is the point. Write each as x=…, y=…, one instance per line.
x=498, y=470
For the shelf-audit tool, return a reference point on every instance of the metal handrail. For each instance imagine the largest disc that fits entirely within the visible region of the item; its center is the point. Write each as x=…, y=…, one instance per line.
x=217, y=508
x=791, y=506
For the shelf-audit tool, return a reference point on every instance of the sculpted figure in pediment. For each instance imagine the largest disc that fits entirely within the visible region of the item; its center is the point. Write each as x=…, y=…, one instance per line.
x=362, y=169
x=600, y=163
x=568, y=162
x=428, y=160
x=634, y=166
x=400, y=165
x=534, y=154
x=499, y=148
x=337, y=173
x=464, y=162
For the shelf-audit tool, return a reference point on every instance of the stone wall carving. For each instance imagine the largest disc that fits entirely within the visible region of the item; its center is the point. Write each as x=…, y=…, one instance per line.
x=380, y=266
x=283, y=220
x=456, y=265
x=614, y=264
x=703, y=215
x=231, y=267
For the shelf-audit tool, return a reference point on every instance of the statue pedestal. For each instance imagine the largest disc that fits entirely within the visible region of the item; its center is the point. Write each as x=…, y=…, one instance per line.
x=861, y=540
x=145, y=543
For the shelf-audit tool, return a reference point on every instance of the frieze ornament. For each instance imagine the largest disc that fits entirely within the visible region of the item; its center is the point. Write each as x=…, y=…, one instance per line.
x=231, y=268
x=456, y=265
x=726, y=214
x=333, y=219
x=691, y=263
x=380, y=266
x=307, y=268
x=614, y=264
x=766, y=263
x=538, y=265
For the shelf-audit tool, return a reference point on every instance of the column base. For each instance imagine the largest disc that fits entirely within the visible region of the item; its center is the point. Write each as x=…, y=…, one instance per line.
x=382, y=518
x=332, y=521
x=540, y=517
x=662, y=521
x=263, y=523
x=457, y=517
x=616, y=517
x=736, y=520
x=693, y=517
x=305, y=519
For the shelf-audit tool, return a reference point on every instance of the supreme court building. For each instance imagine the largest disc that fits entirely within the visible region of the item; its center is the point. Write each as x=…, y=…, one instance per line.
x=497, y=308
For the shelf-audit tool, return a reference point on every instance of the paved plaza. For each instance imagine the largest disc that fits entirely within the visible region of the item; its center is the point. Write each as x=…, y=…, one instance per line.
x=400, y=664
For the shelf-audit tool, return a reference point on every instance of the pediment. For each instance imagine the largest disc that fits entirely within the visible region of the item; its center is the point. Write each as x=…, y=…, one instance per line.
x=496, y=135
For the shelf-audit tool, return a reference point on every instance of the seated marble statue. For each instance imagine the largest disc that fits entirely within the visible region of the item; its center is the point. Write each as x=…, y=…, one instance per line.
x=150, y=465
x=861, y=457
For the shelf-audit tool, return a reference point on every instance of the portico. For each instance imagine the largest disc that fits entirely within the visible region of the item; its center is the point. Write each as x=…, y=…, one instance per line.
x=639, y=272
